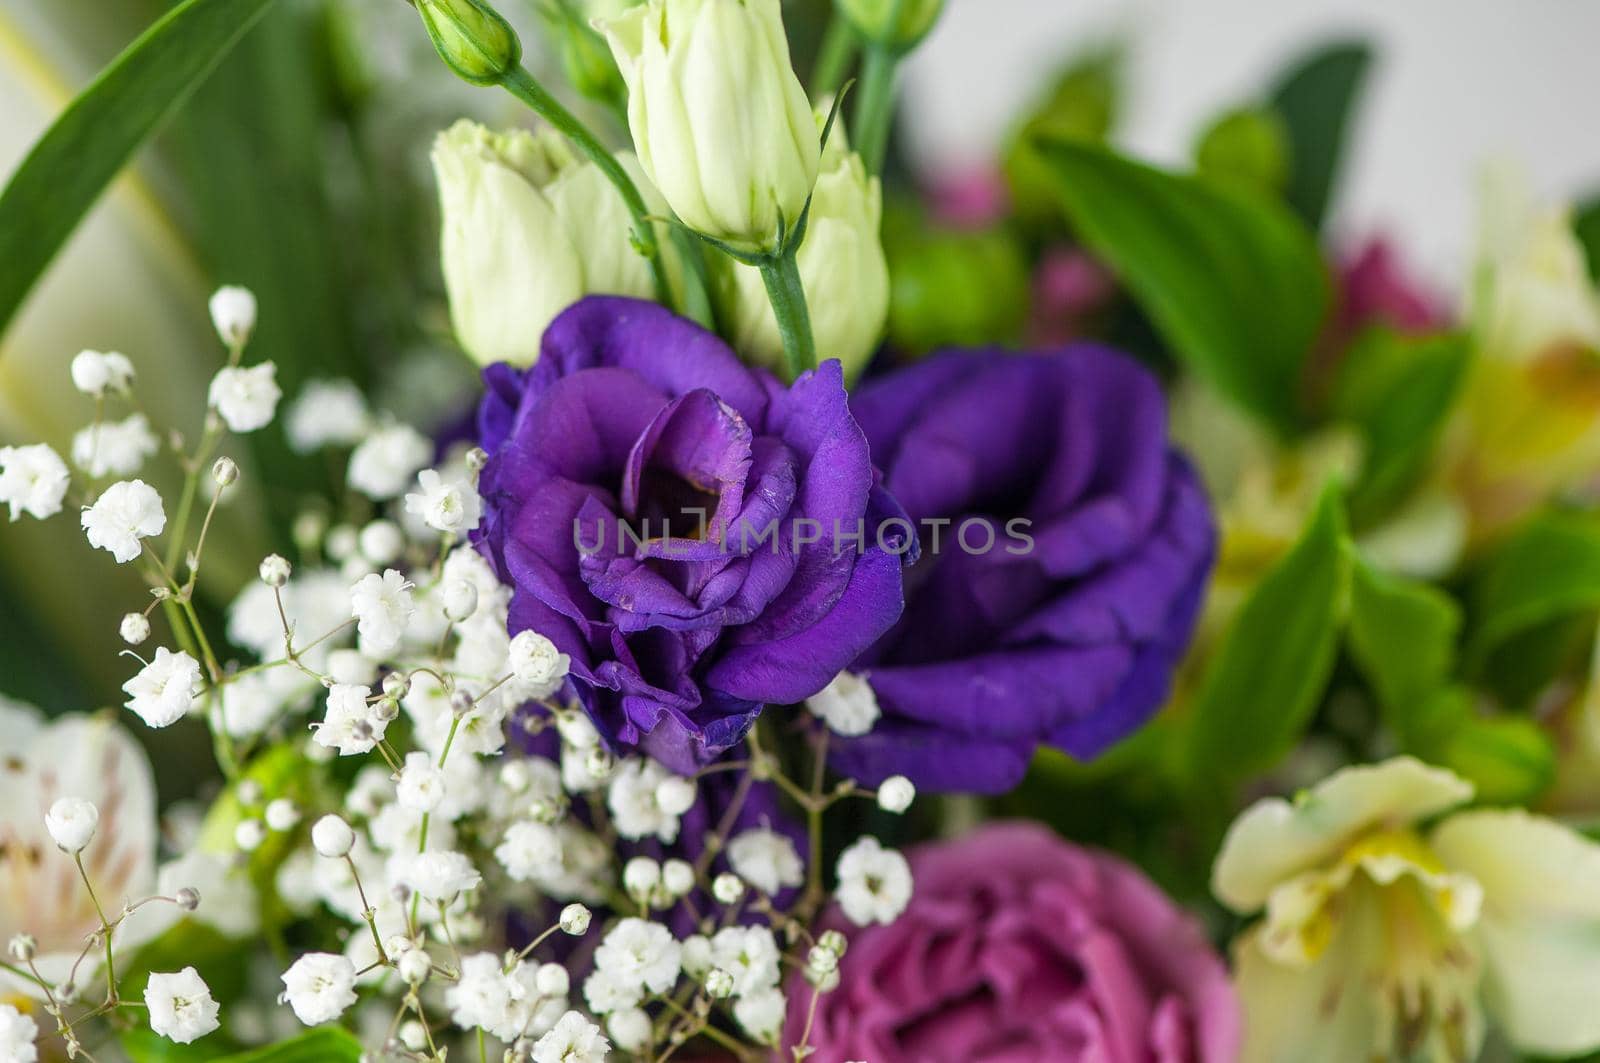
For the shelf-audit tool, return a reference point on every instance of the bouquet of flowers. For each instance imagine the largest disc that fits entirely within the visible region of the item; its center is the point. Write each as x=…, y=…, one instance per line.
x=1066, y=613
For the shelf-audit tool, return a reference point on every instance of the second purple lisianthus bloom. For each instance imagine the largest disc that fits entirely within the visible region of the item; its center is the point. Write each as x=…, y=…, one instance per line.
x=1065, y=550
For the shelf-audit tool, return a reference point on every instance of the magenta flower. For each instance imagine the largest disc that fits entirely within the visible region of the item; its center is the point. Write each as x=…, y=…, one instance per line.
x=1020, y=948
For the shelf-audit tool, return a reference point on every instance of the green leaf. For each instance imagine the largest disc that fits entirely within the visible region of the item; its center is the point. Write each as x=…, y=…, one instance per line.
x=1547, y=570
x=326, y=1045
x=1402, y=635
x=1269, y=673
x=1398, y=390
x=1247, y=145
x=1235, y=283
x=1316, y=98
x=1586, y=224
x=99, y=132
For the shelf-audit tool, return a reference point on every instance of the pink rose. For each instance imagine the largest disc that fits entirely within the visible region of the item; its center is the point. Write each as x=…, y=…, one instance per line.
x=1018, y=947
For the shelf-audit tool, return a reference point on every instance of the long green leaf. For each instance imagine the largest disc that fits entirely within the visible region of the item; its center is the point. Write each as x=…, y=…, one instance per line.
x=99, y=132
x=1269, y=674
x=1402, y=636
x=1548, y=569
x=1234, y=282
x=327, y=1045
x=1316, y=99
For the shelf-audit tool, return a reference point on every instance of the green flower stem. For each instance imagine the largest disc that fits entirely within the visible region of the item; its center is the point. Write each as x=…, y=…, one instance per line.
x=834, y=56
x=781, y=274
x=522, y=85
x=875, y=106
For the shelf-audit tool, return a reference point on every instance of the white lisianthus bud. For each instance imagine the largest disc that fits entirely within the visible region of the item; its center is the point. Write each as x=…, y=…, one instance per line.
x=875, y=20
x=71, y=822
x=332, y=837
x=472, y=38
x=719, y=120
x=842, y=269
x=275, y=570
x=528, y=229
x=225, y=471
x=134, y=629
x=233, y=312
x=895, y=794
x=575, y=919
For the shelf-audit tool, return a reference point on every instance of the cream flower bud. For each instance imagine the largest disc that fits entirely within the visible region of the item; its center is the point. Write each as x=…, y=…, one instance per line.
x=275, y=570
x=472, y=38
x=719, y=120
x=233, y=313
x=529, y=228
x=876, y=21
x=895, y=794
x=71, y=822
x=727, y=888
x=640, y=877
x=842, y=269
x=225, y=471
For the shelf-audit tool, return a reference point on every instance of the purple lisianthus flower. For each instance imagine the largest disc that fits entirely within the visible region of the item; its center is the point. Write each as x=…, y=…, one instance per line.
x=1057, y=600
x=671, y=519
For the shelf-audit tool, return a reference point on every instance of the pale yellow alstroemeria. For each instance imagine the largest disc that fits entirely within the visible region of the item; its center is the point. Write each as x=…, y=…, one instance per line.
x=1383, y=941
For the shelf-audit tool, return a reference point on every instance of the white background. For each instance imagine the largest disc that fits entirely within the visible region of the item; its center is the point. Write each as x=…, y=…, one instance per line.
x=1456, y=84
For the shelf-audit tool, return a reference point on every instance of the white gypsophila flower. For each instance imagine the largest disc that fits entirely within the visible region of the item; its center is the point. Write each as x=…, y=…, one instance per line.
x=641, y=877
x=584, y=770
x=677, y=877
x=96, y=372
x=249, y=834
x=18, y=1033
x=552, y=980
x=233, y=314
x=629, y=1028
x=457, y=600
x=606, y=991
x=114, y=448
x=383, y=464
x=134, y=629
x=638, y=952
x=381, y=542
x=481, y=997
x=352, y=667
x=696, y=956
x=382, y=607
x=228, y=900
x=126, y=512
x=750, y=954
x=71, y=823
x=437, y=876
x=327, y=413
x=252, y=703
x=675, y=795
x=847, y=705
x=246, y=398
x=727, y=888
x=420, y=786
x=631, y=796
x=465, y=563
x=536, y=662
x=282, y=814
x=874, y=883
x=33, y=480
x=896, y=793
x=761, y=1014
x=481, y=731
x=449, y=506
x=350, y=725
x=368, y=792
x=765, y=859
x=530, y=851
x=574, y=1039
x=180, y=1006
x=319, y=987
x=397, y=829
x=164, y=691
